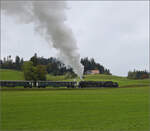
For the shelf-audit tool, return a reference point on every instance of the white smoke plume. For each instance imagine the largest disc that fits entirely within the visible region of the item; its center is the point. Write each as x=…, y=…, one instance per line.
x=49, y=20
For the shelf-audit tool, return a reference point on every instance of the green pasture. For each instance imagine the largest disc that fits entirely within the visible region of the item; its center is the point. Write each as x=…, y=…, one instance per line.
x=102, y=109
x=122, y=81
x=11, y=75
x=105, y=109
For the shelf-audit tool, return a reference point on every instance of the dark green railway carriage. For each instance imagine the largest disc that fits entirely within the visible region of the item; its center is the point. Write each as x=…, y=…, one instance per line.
x=6, y=83
x=55, y=84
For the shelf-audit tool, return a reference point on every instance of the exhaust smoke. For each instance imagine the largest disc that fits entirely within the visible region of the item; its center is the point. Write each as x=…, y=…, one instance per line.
x=49, y=20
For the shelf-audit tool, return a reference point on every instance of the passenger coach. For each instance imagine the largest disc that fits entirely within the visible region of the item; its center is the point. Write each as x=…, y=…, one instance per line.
x=70, y=84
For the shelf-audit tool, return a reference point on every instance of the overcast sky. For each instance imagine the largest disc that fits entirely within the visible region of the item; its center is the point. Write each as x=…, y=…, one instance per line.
x=115, y=34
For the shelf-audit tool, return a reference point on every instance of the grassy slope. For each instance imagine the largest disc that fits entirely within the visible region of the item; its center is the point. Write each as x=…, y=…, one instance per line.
x=119, y=109
x=123, y=81
x=6, y=74
x=11, y=75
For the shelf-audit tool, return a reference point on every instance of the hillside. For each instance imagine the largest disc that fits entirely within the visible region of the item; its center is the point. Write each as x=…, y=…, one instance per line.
x=11, y=75
x=6, y=74
x=123, y=81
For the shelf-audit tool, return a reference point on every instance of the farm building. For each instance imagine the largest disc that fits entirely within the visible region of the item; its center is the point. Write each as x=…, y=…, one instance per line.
x=92, y=72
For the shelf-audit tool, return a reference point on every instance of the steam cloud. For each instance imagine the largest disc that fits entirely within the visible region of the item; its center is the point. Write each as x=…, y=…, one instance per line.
x=49, y=20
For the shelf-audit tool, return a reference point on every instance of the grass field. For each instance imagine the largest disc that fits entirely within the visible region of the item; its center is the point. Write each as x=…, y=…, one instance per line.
x=104, y=109
x=11, y=75
x=122, y=81
x=119, y=109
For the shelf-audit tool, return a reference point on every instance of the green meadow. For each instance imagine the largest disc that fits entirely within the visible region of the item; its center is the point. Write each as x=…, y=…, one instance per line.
x=11, y=75
x=119, y=109
x=102, y=109
x=122, y=81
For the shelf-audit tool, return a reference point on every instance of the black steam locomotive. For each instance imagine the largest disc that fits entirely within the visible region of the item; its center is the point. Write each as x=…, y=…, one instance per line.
x=89, y=84
x=70, y=84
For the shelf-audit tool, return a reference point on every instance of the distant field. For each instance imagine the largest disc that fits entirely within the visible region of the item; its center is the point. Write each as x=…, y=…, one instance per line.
x=107, y=109
x=123, y=81
x=11, y=75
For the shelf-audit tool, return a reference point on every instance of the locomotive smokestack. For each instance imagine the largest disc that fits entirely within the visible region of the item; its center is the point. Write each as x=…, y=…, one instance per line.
x=49, y=21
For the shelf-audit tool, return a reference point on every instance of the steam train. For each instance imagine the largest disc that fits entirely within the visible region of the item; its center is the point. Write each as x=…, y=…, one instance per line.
x=70, y=84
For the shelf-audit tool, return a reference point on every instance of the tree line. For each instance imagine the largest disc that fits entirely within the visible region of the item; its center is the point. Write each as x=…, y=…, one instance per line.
x=53, y=65
x=90, y=64
x=36, y=67
x=137, y=74
x=8, y=63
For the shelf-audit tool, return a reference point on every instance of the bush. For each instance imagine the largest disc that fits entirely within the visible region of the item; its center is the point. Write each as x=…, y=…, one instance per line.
x=70, y=75
x=138, y=74
x=34, y=72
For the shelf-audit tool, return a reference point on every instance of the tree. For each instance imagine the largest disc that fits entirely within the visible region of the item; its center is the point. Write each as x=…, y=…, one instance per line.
x=21, y=62
x=70, y=75
x=138, y=74
x=49, y=68
x=34, y=72
x=90, y=64
x=41, y=72
x=29, y=71
x=17, y=63
x=34, y=59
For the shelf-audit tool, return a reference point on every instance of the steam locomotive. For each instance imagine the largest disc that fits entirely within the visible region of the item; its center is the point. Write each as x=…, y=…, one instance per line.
x=70, y=84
